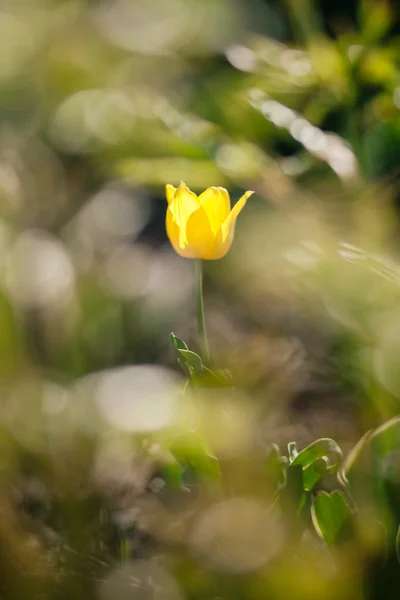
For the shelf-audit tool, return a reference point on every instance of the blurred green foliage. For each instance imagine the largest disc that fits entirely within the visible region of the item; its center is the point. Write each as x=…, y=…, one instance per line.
x=124, y=472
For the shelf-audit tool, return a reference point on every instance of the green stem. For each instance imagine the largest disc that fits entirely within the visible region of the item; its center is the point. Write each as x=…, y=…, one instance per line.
x=200, y=312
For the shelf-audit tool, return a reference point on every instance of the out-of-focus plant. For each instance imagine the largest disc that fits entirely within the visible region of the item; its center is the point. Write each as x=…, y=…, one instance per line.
x=122, y=473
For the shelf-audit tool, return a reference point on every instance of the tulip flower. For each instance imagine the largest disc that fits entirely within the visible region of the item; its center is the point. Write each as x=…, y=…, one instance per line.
x=201, y=227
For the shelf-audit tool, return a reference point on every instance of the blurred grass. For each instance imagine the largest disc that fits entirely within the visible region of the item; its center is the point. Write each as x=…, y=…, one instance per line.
x=101, y=105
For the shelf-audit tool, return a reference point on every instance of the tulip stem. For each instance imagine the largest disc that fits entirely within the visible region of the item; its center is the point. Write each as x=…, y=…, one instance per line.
x=201, y=323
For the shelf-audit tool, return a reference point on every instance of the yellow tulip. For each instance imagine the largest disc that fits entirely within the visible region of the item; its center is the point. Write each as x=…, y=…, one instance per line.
x=201, y=226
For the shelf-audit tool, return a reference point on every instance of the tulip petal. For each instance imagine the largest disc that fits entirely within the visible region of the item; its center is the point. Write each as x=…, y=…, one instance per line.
x=170, y=192
x=220, y=247
x=217, y=204
x=184, y=203
x=201, y=227
x=224, y=237
x=173, y=232
x=229, y=224
x=199, y=235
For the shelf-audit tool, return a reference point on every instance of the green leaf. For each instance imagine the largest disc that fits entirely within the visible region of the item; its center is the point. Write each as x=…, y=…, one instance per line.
x=192, y=364
x=322, y=448
x=398, y=544
x=354, y=458
x=294, y=482
x=193, y=453
x=172, y=473
x=178, y=343
x=375, y=453
x=276, y=466
x=292, y=495
x=292, y=451
x=331, y=516
x=386, y=439
x=376, y=18
x=192, y=360
x=314, y=473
